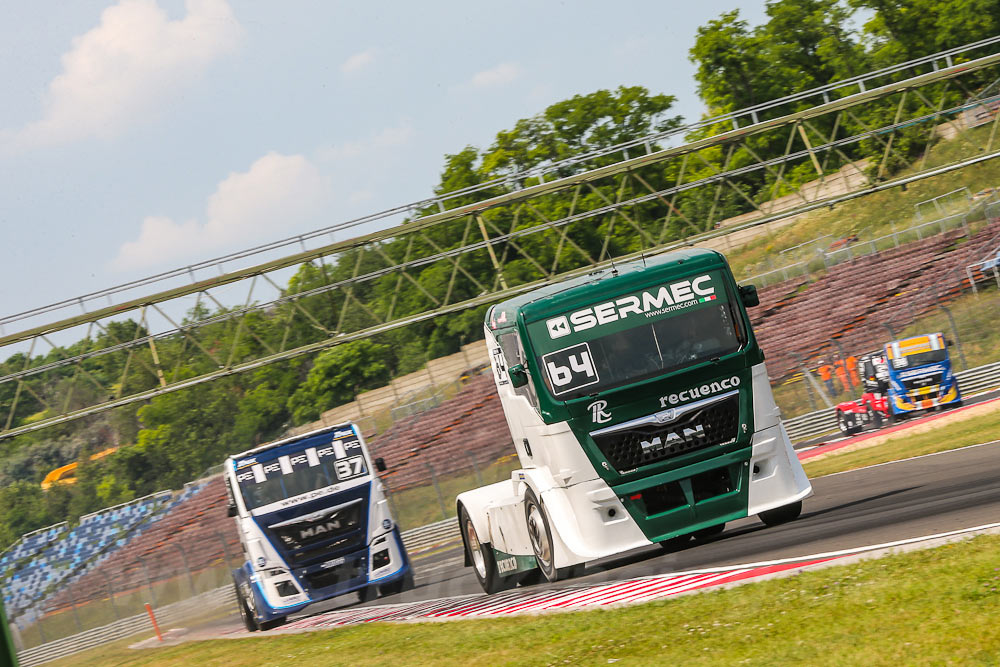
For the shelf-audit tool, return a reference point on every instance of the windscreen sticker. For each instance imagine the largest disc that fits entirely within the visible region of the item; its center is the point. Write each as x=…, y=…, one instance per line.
x=651, y=302
x=338, y=448
x=570, y=368
x=311, y=457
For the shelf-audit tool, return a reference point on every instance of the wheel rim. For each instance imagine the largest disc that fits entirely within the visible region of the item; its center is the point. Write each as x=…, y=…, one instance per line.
x=476, y=551
x=539, y=536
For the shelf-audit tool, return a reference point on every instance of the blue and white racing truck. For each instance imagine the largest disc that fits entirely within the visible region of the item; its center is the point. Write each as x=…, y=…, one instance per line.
x=920, y=375
x=314, y=524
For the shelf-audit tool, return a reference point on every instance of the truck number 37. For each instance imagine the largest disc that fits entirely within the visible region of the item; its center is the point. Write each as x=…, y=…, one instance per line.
x=347, y=468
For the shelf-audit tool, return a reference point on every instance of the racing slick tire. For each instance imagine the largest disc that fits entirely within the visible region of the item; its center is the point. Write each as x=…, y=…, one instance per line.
x=404, y=583
x=249, y=622
x=540, y=535
x=675, y=543
x=367, y=594
x=484, y=564
x=780, y=515
x=711, y=531
x=845, y=428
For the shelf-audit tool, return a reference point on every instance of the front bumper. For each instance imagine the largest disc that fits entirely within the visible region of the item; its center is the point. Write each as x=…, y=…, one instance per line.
x=383, y=562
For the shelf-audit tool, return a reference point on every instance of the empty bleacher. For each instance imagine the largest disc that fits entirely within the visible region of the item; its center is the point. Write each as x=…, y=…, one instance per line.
x=469, y=428
x=798, y=321
x=75, y=550
x=194, y=534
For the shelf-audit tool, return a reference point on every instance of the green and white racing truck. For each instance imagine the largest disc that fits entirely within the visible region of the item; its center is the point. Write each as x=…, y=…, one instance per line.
x=639, y=404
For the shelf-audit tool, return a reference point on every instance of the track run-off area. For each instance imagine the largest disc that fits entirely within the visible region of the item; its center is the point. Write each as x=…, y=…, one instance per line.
x=910, y=503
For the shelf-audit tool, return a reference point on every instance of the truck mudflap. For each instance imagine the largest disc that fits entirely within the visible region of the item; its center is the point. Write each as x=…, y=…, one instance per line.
x=776, y=475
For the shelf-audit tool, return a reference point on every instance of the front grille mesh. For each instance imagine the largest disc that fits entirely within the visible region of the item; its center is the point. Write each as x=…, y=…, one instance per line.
x=712, y=425
x=341, y=574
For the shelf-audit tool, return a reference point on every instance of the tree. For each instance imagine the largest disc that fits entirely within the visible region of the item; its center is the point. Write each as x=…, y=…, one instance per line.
x=338, y=375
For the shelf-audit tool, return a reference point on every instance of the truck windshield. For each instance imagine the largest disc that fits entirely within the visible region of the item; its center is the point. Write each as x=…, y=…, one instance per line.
x=920, y=359
x=640, y=344
x=291, y=471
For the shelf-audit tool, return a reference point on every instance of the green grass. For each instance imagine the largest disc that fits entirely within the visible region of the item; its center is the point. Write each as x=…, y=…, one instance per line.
x=937, y=606
x=879, y=213
x=971, y=431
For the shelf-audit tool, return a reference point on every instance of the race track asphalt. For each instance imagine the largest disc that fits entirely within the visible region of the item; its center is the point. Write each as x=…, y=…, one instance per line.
x=905, y=499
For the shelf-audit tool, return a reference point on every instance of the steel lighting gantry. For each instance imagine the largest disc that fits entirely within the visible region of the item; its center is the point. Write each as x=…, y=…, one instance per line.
x=487, y=242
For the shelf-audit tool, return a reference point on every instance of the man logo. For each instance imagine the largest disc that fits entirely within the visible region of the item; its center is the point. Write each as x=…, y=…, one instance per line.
x=558, y=327
x=665, y=416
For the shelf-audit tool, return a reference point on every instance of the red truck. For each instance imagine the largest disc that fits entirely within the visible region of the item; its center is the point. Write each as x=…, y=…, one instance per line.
x=873, y=406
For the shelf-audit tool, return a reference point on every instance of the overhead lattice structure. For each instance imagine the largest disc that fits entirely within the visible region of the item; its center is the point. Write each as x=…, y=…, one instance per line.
x=484, y=243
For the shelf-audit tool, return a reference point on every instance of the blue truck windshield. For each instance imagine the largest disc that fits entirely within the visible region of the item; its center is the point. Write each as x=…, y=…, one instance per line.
x=299, y=468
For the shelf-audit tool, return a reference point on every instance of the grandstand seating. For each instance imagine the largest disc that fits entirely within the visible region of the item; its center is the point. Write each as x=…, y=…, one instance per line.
x=468, y=428
x=798, y=320
x=196, y=522
x=78, y=548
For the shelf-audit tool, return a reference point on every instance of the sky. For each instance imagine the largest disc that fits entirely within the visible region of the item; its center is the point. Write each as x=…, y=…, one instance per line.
x=141, y=136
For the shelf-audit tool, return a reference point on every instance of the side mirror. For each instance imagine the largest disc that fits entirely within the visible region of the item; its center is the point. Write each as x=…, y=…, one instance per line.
x=518, y=376
x=748, y=295
x=380, y=464
x=231, y=510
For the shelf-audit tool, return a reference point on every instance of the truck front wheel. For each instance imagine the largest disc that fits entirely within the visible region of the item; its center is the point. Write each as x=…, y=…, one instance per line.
x=541, y=541
x=249, y=621
x=781, y=514
x=484, y=564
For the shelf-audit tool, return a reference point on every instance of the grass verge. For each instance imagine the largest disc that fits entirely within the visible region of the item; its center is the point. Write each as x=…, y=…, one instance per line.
x=925, y=607
x=933, y=438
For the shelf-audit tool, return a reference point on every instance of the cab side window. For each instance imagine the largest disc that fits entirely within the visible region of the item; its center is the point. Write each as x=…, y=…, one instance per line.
x=513, y=353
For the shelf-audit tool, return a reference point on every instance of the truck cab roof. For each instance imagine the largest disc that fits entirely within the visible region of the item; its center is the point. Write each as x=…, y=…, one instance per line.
x=624, y=277
x=284, y=441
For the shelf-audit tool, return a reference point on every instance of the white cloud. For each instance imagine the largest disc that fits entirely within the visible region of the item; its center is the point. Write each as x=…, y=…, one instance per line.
x=358, y=62
x=386, y=138
x=275, y=197
x=132, y=61
x=500, y=75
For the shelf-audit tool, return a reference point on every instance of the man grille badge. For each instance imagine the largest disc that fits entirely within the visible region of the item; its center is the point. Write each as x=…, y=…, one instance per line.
x=665, y=416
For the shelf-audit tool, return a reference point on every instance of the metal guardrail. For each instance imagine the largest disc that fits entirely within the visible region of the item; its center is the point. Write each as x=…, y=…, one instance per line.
x=431, y=535
x=824, y=421
x=126, y=627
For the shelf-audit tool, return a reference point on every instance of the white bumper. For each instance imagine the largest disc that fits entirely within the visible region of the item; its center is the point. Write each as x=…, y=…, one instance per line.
x=776, y=475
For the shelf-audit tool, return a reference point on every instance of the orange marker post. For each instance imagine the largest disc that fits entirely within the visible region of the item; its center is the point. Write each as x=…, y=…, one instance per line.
x=152, y=617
